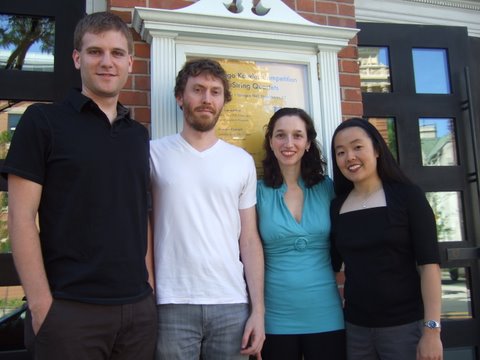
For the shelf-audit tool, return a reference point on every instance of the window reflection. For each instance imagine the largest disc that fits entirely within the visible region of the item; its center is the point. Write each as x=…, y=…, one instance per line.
x=10, y=113
x=447, y=207
x=374, y=69
x=4, y=242
x=386, y=127
x=27, y=43
x=456, y=300
x=11, y=298
x=438, y=144
x=430, y=67
x=463, y=353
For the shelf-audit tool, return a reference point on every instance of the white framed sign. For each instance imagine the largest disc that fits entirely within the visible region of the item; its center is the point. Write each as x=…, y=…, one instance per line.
x=260, y=83
x=273, y=38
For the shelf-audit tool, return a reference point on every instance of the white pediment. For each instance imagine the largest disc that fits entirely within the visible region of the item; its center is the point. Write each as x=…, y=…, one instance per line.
x=271, y=21
x=268, y=10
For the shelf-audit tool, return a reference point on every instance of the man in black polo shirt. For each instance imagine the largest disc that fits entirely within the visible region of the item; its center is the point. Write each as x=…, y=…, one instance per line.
x=82, y=165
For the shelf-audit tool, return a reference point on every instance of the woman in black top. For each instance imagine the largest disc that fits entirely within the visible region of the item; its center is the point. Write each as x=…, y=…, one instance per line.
x=383, y=230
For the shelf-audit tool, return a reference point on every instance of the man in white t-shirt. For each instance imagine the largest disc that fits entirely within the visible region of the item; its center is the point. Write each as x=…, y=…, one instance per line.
x=209, y=266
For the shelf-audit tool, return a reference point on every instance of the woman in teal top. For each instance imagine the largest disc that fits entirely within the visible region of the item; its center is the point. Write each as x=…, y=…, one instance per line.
x=303, y=318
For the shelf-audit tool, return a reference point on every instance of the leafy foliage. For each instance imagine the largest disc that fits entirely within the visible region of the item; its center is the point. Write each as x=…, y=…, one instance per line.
x=21, y=32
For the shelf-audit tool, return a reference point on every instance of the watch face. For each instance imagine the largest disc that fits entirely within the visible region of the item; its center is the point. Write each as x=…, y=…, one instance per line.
x=432, y=324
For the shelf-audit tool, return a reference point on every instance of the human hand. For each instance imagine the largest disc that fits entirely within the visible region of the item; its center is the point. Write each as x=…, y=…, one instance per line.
x=39, y=312
x=430, y=345
x=253, y=336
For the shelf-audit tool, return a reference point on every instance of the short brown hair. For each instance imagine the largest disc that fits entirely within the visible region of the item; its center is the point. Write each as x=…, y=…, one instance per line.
x=196, y=67
x=100, y=22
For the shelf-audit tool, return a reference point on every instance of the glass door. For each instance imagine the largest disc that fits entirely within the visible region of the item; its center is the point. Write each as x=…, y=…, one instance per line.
x=35, y=65
x=413, y=86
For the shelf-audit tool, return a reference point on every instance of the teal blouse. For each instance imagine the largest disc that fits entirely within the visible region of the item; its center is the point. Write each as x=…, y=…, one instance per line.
x=301, y=294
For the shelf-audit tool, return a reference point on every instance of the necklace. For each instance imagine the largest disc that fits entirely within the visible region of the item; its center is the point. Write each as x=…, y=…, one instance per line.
x=364, y=203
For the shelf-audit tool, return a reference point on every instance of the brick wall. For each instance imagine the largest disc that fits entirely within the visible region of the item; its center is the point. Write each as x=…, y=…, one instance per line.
x=334, y=13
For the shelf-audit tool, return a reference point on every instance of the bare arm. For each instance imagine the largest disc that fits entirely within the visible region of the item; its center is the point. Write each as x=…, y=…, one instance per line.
x=251, y=253
x=430, y=345
x=149, y=257
x=23, y=201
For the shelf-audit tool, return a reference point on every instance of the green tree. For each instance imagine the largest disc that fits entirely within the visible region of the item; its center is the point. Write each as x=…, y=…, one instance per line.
x=22, y=32
x=5, y=138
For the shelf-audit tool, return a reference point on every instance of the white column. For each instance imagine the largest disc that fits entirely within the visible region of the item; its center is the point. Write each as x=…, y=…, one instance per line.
x=163, y=105
x=330, y=99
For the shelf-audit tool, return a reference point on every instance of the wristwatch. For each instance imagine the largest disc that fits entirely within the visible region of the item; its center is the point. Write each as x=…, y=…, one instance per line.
x=432, y=324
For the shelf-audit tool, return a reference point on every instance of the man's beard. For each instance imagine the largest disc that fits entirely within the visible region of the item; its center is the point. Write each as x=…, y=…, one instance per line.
x=202, y=123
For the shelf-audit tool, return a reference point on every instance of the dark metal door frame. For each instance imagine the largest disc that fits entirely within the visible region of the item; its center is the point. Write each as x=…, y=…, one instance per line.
x=406, y=107
x=45, y=86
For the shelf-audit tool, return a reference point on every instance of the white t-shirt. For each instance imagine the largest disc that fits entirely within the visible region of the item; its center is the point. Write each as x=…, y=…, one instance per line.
x=196, y=201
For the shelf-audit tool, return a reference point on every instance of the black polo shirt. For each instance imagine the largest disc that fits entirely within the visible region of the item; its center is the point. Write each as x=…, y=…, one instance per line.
x=93, y=209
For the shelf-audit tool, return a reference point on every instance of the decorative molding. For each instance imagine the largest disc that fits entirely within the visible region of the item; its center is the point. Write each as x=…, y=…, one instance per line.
x=270, y=26
x=279, y=26
x=330, y=99
x=423, y=12
x=163, y=73
x=468, y=5
x=92, y=6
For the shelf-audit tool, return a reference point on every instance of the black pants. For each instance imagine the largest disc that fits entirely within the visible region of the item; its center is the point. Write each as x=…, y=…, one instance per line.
x=319, y=346
x=79, y=331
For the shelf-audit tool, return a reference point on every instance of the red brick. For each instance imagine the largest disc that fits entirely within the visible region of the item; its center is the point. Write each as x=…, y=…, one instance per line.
x=350, y=80
x=326, y=7
x=129, y=83
x=342, y=22
x=316, y=18
x=290, y=4
x=128, y=3
x=169, y=4
x=349, y=66
x=353, y=41
x=346, y=10
x=140, y=66
x=351, y=94
x=351, y=109
x=141, y=50
x=306, y=5
x=124, y=15
x=11, y=292
x=348, y=52
x=130, y=98
x=142, y=114
x=142, y=82
x=136, y=36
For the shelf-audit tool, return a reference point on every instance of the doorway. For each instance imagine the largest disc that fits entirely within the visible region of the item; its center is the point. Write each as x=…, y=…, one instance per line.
x=35, y=66
x=416, y=90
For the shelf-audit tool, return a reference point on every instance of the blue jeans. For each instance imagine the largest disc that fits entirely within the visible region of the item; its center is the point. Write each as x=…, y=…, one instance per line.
x=392, y=343
x=209, y=332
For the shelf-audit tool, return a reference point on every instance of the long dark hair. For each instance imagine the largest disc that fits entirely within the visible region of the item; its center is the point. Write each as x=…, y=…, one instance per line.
x=312, y=163
x=387, y=167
